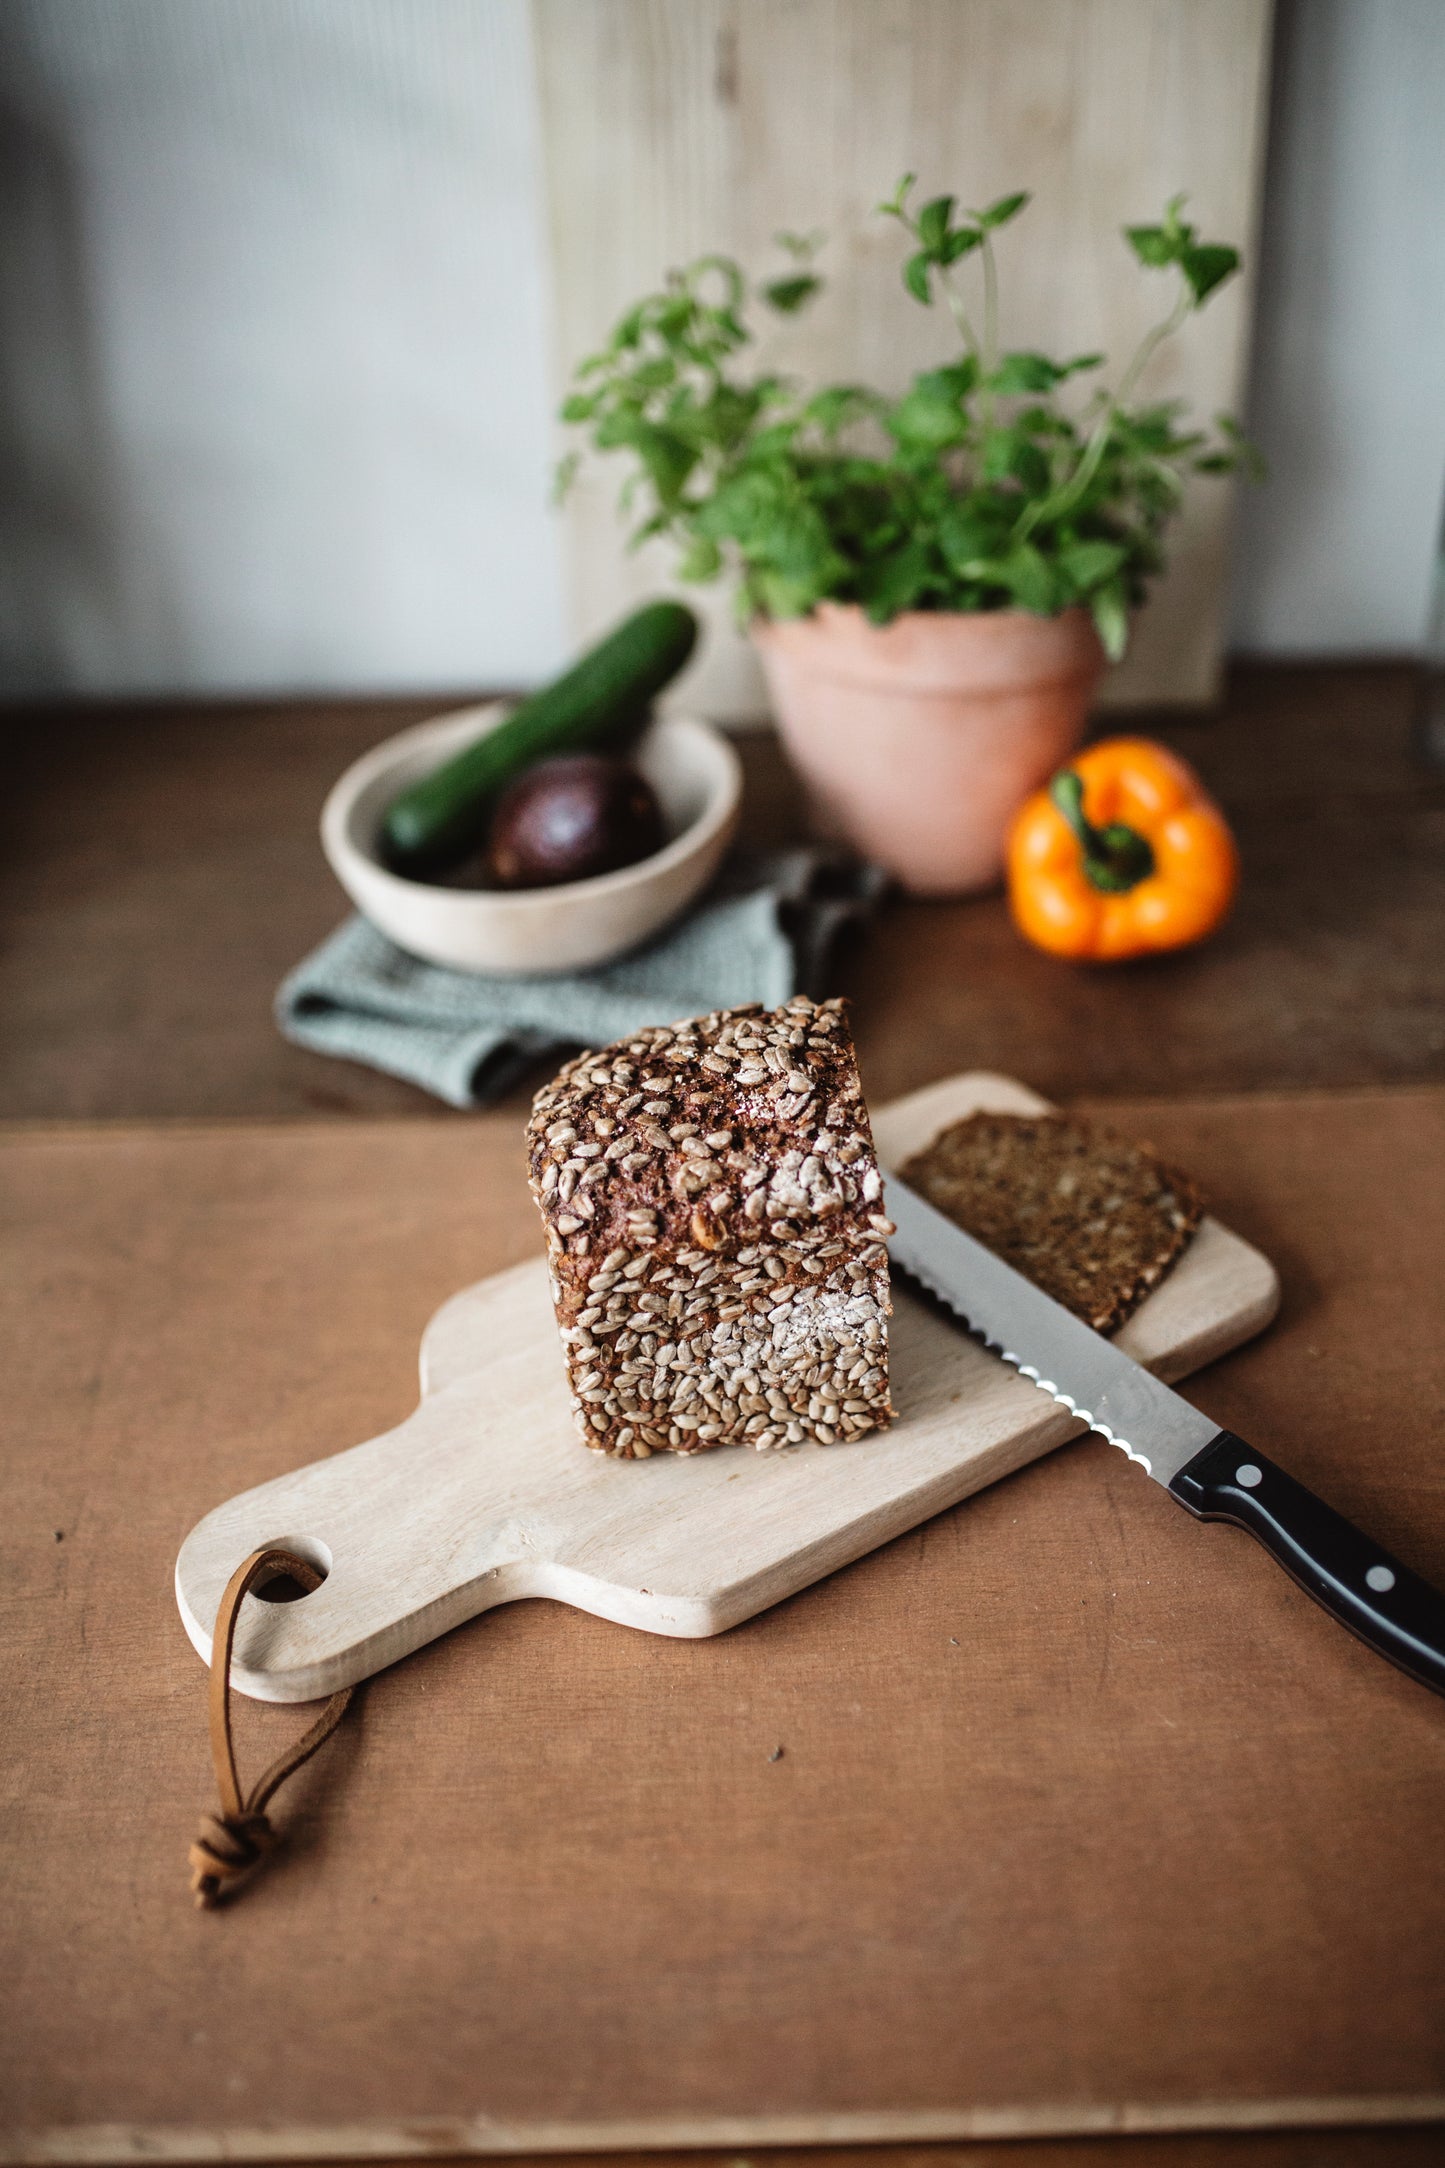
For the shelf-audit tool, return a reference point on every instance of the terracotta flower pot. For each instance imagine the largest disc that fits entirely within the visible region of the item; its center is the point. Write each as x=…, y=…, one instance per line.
x=919, y=739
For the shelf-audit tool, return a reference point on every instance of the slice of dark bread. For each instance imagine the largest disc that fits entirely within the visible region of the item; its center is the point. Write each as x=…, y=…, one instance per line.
x=1093, y=1220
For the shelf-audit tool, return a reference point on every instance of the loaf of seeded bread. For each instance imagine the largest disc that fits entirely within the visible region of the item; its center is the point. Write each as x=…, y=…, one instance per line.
x=715, y=1234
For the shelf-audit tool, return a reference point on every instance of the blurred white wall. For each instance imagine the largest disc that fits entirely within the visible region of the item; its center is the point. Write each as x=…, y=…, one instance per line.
x=274, y=374
x=1347, y=391
x=273, y=406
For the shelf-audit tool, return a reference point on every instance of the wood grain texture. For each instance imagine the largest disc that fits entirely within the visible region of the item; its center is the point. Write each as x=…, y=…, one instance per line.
x=484, y=1495
x=673, y=130
x=1030, y=1859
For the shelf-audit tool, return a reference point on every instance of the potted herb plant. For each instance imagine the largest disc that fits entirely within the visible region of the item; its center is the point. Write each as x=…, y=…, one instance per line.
x=933, y=582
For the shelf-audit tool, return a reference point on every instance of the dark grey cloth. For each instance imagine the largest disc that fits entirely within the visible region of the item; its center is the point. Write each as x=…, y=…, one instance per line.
x=763, y=932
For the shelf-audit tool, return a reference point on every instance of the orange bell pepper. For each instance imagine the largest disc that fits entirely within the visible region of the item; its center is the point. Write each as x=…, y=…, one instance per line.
x=1123, y=854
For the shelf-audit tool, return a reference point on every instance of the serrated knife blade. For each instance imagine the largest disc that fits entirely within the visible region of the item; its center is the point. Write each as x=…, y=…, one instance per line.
x=1210, y=1472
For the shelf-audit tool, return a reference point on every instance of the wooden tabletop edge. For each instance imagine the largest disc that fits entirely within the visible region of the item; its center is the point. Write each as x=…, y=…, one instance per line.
x=98, y=2145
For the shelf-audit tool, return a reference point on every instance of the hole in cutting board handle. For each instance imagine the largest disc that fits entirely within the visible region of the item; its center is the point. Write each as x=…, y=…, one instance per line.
x=283, y=1587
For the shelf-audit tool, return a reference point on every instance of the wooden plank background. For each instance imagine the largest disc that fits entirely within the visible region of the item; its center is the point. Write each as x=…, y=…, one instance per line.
x=674, y=127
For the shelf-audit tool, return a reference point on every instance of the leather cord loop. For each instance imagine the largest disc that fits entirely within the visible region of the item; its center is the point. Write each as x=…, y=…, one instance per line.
x=228, y=1845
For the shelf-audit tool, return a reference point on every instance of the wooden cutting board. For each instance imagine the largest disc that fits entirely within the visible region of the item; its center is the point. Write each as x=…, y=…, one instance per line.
x=484, y=1495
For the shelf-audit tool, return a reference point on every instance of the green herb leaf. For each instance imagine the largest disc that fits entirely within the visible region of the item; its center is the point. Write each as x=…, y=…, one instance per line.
x=894, y=207
x=1109, y=609
x=971, y=531
x=1011, y=455
x=959, y=243
x=1152, y=245
x=1206, y=266
x=933, y=221
x=915, y=278
x=728, y=270
x=788, y=295
x=895, y=582
x=1025, y=373
x=930, y=416
x=1089, y=564
x=836, y=408
x=999, y=214
x=564, y=474
x=1029, y=578
x=665, y=458
x=701, y=560
x=1249, y=458
x=1174, y=225
x=653, y=375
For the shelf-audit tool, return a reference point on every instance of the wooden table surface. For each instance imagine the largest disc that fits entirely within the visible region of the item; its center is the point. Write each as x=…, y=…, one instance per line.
x=159, y=872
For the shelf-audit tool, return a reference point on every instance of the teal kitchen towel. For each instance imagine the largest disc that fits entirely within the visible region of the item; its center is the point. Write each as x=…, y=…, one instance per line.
x=763, y=932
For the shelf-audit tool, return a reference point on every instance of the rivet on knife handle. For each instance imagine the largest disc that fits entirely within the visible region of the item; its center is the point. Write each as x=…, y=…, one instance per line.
x=1399, y=1615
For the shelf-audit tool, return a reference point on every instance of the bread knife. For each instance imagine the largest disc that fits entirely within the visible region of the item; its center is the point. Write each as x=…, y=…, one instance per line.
x=1210, y=1472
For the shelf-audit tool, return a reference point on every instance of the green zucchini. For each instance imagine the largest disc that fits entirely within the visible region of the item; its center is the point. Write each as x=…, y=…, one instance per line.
x=599, y=703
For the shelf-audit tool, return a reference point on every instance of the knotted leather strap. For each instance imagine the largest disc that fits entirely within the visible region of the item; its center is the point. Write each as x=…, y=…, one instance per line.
x=230, y=1844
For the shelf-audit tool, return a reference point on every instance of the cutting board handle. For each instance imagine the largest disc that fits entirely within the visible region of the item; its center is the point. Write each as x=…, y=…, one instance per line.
x=394, y=1572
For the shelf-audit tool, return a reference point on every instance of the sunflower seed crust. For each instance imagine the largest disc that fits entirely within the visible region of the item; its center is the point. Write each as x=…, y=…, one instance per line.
x=709, y=1193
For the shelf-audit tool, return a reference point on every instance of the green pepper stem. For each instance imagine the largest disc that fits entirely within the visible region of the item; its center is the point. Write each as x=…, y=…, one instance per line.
x=1116, y=858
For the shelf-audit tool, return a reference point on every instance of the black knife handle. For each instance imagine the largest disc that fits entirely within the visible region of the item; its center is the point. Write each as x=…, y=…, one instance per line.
x=1398, y=1614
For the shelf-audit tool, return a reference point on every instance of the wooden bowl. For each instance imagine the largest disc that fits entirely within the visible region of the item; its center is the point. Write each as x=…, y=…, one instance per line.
x=698, y=780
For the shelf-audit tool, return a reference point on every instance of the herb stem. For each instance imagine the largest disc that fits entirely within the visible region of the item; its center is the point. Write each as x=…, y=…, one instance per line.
x=1068, y=494
x=988, y=360
x=1152, y=339
x=960, y=317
